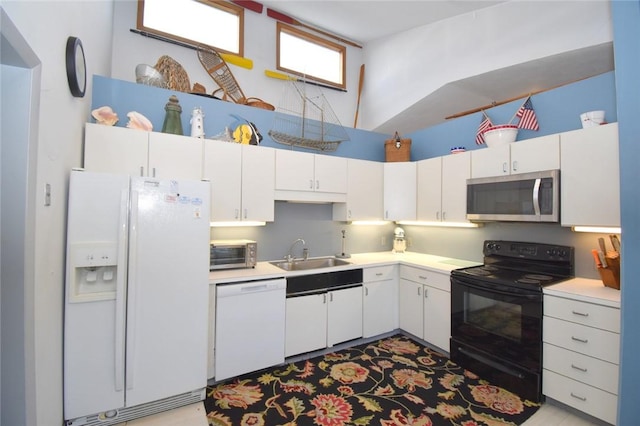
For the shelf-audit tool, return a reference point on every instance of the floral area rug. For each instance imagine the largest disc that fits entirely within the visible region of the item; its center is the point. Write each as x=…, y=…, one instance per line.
x=391, y=382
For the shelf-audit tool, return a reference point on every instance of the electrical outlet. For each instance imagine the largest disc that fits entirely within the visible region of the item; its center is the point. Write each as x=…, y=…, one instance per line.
x=409, y=241
x=383, y=241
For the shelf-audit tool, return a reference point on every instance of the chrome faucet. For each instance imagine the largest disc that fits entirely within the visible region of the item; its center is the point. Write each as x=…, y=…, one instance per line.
x=305, y=251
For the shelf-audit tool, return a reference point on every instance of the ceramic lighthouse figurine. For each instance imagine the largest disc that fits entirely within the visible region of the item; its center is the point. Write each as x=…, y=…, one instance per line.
x=197, y=123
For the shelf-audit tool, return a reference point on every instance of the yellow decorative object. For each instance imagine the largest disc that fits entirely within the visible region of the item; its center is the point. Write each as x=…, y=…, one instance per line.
x=242, y=134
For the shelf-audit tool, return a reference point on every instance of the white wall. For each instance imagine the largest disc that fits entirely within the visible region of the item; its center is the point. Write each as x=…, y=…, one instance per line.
x=45, y=25
x=130, y=49
x=404, y=68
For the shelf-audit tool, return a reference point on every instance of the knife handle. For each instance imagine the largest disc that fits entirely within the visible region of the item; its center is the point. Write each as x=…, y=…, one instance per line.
x=596, y=258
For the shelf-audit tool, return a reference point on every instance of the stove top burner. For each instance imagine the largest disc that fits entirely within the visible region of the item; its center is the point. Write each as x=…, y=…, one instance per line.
x=519, y=264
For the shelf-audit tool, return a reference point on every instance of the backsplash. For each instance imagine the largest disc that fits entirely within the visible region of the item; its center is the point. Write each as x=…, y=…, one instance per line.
x=323, y=237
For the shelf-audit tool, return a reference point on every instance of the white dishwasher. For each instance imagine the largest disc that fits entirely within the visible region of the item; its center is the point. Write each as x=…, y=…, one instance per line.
x=250, y=326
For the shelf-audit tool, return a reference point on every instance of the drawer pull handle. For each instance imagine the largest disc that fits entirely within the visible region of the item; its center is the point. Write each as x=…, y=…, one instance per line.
x=577, y=339
x=580, y=313
x=378, y=274
x=581, y=398
x=575, y=367
x=422, y=277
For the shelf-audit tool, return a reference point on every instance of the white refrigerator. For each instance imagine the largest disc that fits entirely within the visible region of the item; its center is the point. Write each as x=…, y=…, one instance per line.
x=136, y=302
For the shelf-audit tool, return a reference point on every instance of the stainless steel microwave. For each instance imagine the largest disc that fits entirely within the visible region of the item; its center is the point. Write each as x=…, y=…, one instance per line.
x=227, y=254
x=526, y=197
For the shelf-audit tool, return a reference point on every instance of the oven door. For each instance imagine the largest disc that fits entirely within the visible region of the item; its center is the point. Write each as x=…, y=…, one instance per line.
x=496, y=319
x=496, y=332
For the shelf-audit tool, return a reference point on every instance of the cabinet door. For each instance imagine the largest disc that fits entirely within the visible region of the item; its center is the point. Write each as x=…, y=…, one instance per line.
x=222, y=166
x=306, y=324
x=437, y=317
x=116, y=150
x=429, y=194
x=456, y=169
x=175, y=156
x=344, y=315
x=534, y=155
x=258, y=179
x=364, y=192
x=330, y=174
x=400, y=182
x=380, y=307
x=294, y=171
x=492, y=161
x=411, y=306
x=590, y=173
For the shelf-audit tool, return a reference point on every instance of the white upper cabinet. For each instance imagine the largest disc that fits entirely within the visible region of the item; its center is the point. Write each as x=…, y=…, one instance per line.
x=175, y=156
x=400, y=181
x=429, y=203
x=310, y=177
x=526, y=156
x=139, y=153
x=242, y=181
x=590, y=177
x=442, y=188
x=365, y=180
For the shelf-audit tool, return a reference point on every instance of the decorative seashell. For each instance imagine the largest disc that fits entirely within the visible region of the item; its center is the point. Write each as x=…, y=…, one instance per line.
x=138, y=121
x=105, y=115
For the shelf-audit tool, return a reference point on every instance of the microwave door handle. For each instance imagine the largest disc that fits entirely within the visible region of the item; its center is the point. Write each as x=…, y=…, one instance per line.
x=536, y=197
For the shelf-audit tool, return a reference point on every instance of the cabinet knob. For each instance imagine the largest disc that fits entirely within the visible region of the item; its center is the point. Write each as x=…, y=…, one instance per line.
x=317, y=184
x=310, y=183
x=245, y=213
x=515, y=166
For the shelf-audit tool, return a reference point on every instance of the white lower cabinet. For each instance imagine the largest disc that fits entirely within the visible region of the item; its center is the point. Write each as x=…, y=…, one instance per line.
x=425, y=305
x=322, y=320
x=580, y=355
x=380, y=300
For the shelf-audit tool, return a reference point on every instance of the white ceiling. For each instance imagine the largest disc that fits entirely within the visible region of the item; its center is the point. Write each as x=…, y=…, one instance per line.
x=362, y=21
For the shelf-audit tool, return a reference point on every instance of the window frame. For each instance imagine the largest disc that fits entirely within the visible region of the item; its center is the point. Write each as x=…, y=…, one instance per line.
x=311, y=38
x=218, y=4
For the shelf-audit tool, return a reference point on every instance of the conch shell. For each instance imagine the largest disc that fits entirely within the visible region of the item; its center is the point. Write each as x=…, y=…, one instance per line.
x=105, y=115
x=138, y=121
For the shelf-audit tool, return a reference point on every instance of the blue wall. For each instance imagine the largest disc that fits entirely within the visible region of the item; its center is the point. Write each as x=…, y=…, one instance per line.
x=626, y=25
x=557, y=110
x=123, y=97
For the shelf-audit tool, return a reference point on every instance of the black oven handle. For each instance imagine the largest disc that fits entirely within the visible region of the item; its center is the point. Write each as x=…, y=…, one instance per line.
x=491, y=363
x=496, y=288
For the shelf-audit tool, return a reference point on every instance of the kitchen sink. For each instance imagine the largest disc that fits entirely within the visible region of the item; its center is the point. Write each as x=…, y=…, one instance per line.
x=313, y=263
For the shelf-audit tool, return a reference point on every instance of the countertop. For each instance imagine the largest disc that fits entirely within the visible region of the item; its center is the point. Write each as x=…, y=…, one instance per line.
x=583, y=289
x=586, y=290
x=265, y=270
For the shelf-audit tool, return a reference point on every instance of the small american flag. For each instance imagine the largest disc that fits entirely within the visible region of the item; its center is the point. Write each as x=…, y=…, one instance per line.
x=484, y=125
x=528, y=119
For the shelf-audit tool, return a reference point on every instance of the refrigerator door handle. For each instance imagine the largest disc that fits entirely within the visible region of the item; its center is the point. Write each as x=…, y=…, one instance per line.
x=120, y=291
x=131, y=289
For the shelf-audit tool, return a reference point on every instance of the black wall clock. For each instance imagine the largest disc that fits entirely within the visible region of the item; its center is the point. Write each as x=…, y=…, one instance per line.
x=76, y=67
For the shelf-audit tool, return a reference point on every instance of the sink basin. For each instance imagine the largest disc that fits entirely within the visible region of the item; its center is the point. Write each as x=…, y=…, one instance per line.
x=313, y=263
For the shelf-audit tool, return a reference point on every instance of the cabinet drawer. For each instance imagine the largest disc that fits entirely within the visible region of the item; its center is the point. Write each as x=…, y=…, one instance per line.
x=598, y=316
x=600, y=374
x=588, y=399
x=423, y=276
x=597, y=343
x=379, y=273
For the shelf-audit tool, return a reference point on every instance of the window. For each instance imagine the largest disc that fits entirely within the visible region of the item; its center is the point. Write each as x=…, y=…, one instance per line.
x=309, y=56
x=214, y=23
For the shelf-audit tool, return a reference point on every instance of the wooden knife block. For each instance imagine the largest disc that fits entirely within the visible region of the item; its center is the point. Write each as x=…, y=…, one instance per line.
x=611, y=274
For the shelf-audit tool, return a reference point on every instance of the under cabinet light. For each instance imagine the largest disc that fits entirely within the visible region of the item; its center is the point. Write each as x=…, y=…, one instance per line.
x=238, y=224
x=597, y=229
x=370, y=222
x=440, y=224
